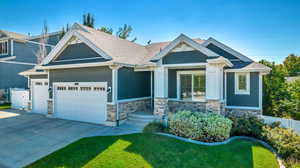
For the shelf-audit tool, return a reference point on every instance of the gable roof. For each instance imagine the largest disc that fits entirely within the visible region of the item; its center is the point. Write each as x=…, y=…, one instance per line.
x=13, y=34
x=227, y=49
x=106, y=45
x=117, y=50
x=183, y=38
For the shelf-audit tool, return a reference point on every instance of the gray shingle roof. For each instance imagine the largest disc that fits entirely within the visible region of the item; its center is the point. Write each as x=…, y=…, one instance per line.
x=14, y=35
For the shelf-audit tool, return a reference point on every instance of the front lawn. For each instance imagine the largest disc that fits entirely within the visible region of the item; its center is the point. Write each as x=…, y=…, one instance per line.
x=4, y=106
x=148, y=150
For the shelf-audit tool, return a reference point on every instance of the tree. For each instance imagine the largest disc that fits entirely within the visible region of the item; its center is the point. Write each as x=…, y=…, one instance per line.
x=124, y=32
x=64, y=31
x=88, y=20
x=106, y=30
x=42, y=50
x=275, y=89
x=292, y=64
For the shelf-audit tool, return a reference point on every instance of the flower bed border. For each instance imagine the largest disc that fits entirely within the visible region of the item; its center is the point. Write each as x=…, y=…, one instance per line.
x=266, y=145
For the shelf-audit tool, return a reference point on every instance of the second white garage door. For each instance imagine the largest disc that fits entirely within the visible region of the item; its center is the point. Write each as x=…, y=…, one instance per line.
x=84, y=101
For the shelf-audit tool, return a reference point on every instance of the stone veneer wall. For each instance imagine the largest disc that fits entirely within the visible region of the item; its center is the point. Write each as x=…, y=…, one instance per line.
x=160, y=106
x=177, y=105
x=50, y=107
x=242, y=112
x=128, y=107
x=215, y=106
x=111, y=112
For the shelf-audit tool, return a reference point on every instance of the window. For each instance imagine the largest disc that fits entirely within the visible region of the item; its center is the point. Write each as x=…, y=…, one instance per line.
x=191, y=85
x=242, y=83
x=3, y=47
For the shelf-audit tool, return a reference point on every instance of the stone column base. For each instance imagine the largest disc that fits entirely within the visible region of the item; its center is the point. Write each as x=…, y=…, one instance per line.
x=111, y=112
x=29, y=106
x=160, y=106
x=215, y=106
x=50, y=108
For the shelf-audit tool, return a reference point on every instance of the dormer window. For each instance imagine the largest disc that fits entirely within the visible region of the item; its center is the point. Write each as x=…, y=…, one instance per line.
x=3, y=47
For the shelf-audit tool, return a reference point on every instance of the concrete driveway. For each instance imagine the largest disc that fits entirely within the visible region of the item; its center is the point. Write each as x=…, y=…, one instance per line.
x=27, y=137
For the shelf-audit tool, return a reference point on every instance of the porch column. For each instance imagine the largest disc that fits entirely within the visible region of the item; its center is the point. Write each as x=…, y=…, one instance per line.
x=160, y=91
x=214, y=87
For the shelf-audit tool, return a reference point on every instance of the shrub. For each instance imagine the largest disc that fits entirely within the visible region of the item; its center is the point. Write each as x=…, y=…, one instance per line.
x=153, y=127
x=285, y=141
x=247, y=126
x=207, y=127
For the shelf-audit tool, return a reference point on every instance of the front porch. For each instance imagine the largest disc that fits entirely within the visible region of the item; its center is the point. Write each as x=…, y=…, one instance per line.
x=194, y=87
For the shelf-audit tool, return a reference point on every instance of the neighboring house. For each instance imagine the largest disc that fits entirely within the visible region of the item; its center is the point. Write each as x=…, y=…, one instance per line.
x=95, y=77
x=17, y=54
x=292, y=79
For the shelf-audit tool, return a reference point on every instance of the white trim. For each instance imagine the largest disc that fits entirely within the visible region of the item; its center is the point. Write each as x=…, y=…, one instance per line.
x=94, y=64
x=225, y=98
x=193, y=72
x=133, y=99
x=33, y=42
x=184, y=65
x=200, y=101
x=77, y=59
x=220, y=60
x=183, y=38
x=236, y=83
x=25, y=73
x=260, y=91
x=16, y=62
x=11, y=47
x=227, y=49
x=248, y=70
x=8, y=58
x=242, y=107
x=7, y=48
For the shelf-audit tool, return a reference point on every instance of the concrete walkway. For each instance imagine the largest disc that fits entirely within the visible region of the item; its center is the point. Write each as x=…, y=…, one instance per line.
x=27, y=137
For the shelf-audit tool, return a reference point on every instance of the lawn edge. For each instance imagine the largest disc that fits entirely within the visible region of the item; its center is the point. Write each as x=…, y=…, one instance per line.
x=266, y=145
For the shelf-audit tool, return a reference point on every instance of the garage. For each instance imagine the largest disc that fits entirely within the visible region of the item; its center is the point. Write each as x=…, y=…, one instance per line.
x=39, y=95
x=80, y=101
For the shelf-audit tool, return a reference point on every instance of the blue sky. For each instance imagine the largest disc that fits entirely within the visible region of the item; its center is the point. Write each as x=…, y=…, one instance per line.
x=268, y=29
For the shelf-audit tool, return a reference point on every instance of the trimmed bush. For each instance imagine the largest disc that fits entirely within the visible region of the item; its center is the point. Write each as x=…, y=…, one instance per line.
x=247, y=126
x=207, y=127
x=285, y=141
x=153, y=127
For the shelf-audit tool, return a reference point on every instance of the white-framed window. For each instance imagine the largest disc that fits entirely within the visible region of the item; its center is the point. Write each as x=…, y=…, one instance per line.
x=242, y=83
x=3, y=47
x=191, y=85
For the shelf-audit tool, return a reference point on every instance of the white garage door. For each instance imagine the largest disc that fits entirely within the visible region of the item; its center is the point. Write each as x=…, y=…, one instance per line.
x=81, y=101
x=40, y=96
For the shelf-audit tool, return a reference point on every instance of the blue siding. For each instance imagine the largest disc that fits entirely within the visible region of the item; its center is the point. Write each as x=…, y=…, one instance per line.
x=10, y=78
x=221, y=52
x=77, y=51
x=184, y=57
x=251, y=100
x=91, y=74
x=52, y=40
x=133, y=84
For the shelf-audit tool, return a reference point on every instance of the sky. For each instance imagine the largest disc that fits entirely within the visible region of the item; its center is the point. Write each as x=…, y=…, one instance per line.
x=260, y=29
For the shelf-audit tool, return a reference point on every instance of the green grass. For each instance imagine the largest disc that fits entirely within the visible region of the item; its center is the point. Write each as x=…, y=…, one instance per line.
x=4, y=106
x=148, y=150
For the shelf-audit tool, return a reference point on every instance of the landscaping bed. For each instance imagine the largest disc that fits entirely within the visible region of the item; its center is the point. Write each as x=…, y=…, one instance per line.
x=148, y=150
x=5, y=106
